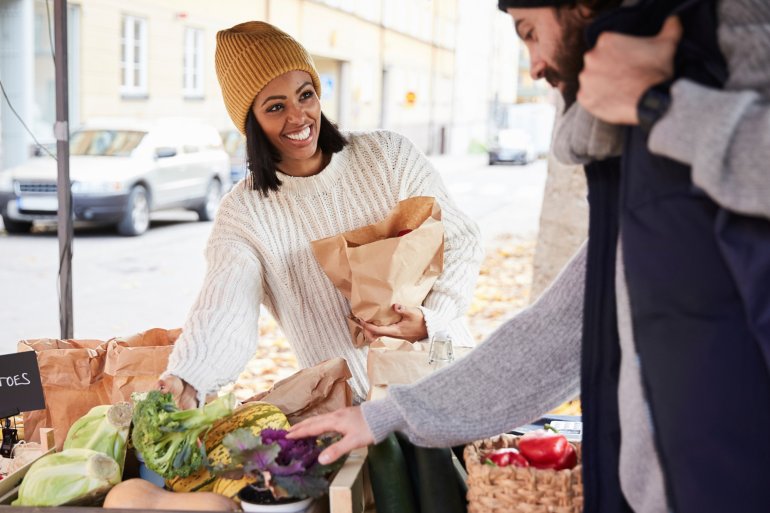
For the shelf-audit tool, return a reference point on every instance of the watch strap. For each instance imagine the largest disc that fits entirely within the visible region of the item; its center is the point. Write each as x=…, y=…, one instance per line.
x=653, y=105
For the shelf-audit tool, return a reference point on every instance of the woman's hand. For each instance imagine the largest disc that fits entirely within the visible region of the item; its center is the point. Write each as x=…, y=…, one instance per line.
x=349, y=422
x=411, y=327
x=185, y=396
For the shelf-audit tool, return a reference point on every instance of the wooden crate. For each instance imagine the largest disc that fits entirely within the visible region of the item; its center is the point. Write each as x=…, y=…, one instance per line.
x=346, y=493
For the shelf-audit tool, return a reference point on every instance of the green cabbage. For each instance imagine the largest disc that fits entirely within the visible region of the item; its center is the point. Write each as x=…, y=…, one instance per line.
x=103, y=429
x=68, y=477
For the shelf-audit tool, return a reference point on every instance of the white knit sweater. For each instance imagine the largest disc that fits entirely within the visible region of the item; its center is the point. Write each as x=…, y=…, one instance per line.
x=259, y=253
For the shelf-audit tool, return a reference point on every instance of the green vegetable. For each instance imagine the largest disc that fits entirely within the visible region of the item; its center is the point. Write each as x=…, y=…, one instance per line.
x=170, y=439
x=440, y=488
x=103, y=429
x=68, y=477
x=389, y=474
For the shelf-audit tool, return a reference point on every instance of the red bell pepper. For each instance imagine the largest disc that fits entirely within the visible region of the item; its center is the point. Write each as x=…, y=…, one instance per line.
x=567, y=461
x=506, y=457
x=546, y=448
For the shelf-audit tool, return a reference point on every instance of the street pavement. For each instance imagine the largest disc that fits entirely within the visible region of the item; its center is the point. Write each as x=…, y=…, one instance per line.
x=125, y=285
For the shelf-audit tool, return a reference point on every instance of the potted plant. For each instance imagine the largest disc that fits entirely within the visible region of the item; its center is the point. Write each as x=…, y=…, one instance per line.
x=286, y=474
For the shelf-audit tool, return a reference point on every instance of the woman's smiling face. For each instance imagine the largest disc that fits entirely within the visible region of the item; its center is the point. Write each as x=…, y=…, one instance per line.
x=289, y=113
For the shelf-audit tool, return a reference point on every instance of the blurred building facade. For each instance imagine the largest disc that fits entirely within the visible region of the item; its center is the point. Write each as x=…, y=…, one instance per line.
x=425, y=68
x=486, y=55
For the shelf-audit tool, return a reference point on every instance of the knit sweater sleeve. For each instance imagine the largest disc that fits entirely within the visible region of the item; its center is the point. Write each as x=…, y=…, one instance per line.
x=725, y=134
x=526, y=368
x=221, y=332
x=450, y=296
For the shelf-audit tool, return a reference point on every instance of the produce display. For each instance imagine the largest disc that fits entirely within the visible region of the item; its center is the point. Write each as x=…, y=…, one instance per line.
x=212, y=458
x=105, y=429
x=541, y=449
x=169, y=439
x=72, y=476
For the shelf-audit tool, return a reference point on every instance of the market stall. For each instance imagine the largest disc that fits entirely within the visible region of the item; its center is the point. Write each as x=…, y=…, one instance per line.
x=69, y=458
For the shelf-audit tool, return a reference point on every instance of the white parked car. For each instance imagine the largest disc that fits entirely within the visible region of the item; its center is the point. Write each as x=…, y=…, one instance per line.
x=120, y=172
x=512, y=145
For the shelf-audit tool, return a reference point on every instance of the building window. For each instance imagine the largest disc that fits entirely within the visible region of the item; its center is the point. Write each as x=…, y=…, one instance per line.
x=193, y=63
x=133, y=56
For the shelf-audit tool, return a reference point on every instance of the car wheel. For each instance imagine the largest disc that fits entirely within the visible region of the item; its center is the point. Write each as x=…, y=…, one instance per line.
x=492, y=161
x=208, y=209
x=136, y=219
x=12, y=226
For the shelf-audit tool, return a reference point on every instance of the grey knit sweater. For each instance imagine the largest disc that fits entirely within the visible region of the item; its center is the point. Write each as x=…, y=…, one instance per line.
x=532, y=362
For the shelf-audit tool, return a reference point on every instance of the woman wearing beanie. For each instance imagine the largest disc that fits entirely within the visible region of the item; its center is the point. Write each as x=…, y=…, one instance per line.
x=306, y=181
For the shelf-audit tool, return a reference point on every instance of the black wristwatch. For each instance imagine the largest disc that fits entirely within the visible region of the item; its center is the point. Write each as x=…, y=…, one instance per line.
x=653, y=105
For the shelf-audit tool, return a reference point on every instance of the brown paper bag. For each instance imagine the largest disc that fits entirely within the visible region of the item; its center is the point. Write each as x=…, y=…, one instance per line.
x=80, y=374
x=134, y=364
x=393, y=361
x=320, y=389
x=71, y=372
x=374, y=268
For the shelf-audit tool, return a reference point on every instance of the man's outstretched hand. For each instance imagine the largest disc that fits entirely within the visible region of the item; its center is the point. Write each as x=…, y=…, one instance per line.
x=349, y=422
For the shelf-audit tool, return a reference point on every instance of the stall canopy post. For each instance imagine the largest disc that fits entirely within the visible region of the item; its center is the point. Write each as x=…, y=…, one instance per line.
x=63, y=187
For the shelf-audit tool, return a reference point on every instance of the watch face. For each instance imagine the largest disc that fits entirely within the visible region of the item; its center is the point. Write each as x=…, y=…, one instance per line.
x=652, y=106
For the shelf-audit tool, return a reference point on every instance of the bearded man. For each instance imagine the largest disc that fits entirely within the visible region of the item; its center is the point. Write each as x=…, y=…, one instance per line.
x=667, y=308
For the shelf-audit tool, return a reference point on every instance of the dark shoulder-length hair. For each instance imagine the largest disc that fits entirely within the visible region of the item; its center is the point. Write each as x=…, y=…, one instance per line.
x=263, y=158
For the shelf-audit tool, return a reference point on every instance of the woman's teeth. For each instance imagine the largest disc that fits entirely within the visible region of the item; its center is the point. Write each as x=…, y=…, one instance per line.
x=301, y=135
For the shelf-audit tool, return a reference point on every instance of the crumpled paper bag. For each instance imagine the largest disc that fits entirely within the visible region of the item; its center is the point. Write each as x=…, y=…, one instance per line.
x=375, y=268
x=79, y=374
x=134, y=364
x=71, y=373
x=315, y=390
x=392, y=361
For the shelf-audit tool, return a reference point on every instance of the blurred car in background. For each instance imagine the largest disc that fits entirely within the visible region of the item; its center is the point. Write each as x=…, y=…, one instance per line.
x=121, y=171
x=522, y=132
x=235, y=146
x=512, y=145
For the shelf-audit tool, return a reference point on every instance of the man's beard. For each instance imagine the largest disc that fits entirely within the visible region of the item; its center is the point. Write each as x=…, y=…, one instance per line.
x=569, y=57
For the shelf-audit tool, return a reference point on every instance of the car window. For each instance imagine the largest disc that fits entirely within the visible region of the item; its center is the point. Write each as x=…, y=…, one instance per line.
x=108, y=143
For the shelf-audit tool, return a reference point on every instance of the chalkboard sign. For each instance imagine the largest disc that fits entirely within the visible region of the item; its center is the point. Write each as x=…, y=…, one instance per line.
x=20, y=387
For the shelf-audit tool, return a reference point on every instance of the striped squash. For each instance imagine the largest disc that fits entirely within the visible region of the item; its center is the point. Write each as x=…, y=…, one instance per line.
x=230, y=487
x=256, y=416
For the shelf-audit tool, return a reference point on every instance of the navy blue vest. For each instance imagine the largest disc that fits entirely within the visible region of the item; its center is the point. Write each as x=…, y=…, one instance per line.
x=699, y=287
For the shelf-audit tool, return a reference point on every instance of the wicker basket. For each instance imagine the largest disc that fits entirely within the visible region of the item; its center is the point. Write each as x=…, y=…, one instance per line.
x=493, y=489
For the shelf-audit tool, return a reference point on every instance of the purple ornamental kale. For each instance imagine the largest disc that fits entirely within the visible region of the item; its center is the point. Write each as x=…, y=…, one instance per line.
x=288, y=468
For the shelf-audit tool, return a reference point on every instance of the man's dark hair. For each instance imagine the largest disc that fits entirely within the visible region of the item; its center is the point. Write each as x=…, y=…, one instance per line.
x=594, y=5
x=262, y=157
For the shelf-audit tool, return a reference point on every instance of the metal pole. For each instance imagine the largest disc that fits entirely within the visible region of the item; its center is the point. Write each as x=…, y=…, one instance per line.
x=63, y=187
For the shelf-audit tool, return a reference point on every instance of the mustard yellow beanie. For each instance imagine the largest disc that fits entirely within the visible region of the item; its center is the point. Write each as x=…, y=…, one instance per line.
x=250, y=55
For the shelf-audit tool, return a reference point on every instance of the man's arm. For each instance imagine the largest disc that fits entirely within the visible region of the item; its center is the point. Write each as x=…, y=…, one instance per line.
x=725, y=134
